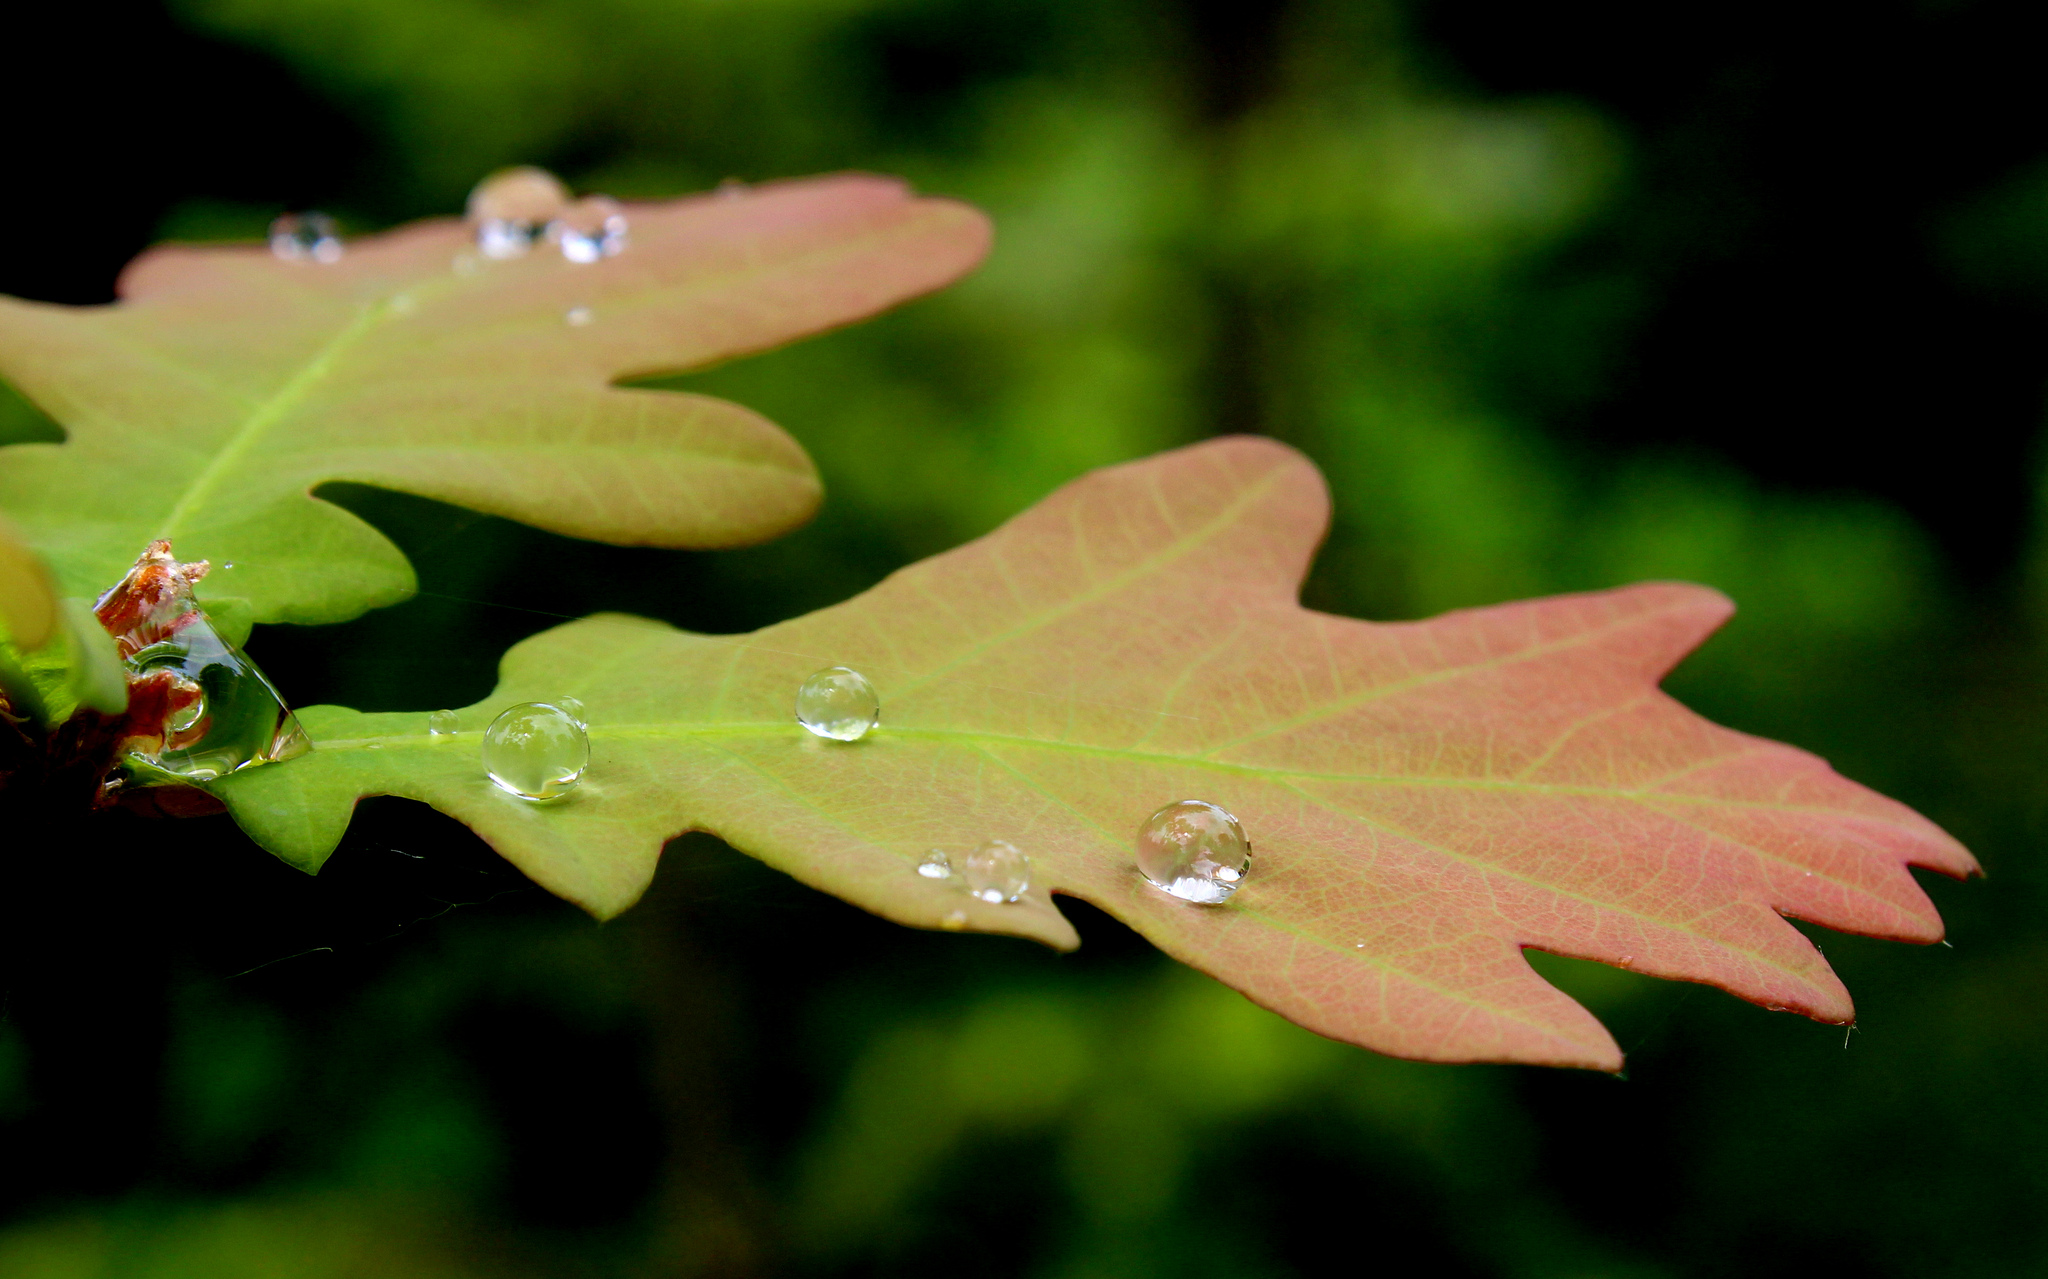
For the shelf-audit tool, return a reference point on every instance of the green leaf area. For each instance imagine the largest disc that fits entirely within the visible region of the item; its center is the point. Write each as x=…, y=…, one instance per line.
x=227, y=384
x=54, y=655
x=1425, y=799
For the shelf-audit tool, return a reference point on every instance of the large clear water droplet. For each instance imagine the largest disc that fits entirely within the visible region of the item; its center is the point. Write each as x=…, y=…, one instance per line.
x=936, y=865
x=184, y=719
x=223, y=714
x=443, y=724
x=589, y=230
x=1195, y=850
x=997, y=871
x=305, y=237
x=536, y=751
x=511, y=210
x=839, y=703
x=198, y=708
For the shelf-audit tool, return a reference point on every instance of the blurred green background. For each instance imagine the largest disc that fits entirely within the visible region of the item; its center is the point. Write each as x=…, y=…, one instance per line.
x=1560, y=296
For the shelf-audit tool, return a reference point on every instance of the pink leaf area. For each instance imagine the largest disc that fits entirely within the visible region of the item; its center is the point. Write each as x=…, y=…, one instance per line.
x=1424, y=799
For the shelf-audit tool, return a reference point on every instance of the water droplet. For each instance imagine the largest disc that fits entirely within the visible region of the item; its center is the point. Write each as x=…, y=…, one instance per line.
x=511, y=209
x=1626, y=960
x=954, y=921
x=443, y=724
x=535, y=751
x=839, y=703
x=591, y=229
x=185, y=718
x=936, y=865
x=579, y=316
x=228, y=565
x=402, y=304
x=574, y=705
x=219, y=713
x=732, y=189
x=997, y=872
x=1194, y=850
x=305, y=237
x=289, y=742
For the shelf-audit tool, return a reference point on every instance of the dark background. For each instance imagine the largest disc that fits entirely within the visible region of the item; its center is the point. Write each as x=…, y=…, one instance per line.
x=1560, y=296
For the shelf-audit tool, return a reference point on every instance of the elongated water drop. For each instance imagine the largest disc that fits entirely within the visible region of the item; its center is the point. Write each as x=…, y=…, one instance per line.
x=186, y=718
x=510, y=210
x=1194, y=850
x=198, y=708
x=443, y=724
x=305, y=237
x=536, y=751
x=936, y=865
x=591, y=229
x=839, y=703
x=997, y=872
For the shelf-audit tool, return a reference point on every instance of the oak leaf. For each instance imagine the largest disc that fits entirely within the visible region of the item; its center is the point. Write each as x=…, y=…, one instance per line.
x=1425, y=799
x=226, y=384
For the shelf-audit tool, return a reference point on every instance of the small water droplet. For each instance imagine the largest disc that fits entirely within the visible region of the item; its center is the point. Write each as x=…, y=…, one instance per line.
x=443, y=724
x=402, y=304
x=1358, y=945
x=305, y=237
x=579, y=316
x=1626, y=960
x=589, y=230
x=230, y=564
x=535, y=751
x=954, y=921
x=574, y=705
x=839, y=703
x=511, y=209
x=732, y=189
x=1194, y=850
x=997, y=872
x=936, y=865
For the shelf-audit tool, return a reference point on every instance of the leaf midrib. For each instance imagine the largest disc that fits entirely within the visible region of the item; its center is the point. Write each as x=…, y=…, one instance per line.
x=1282, y=776
x=267, y=413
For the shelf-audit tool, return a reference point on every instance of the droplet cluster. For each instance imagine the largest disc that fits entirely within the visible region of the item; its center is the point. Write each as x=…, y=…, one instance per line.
x=305, y=237
x=512, y=211
x=997, y=872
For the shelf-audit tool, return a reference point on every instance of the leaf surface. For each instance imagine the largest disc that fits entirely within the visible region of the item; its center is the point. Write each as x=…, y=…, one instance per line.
x=1425, y=799
x=28, y=602
x=208, y=403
